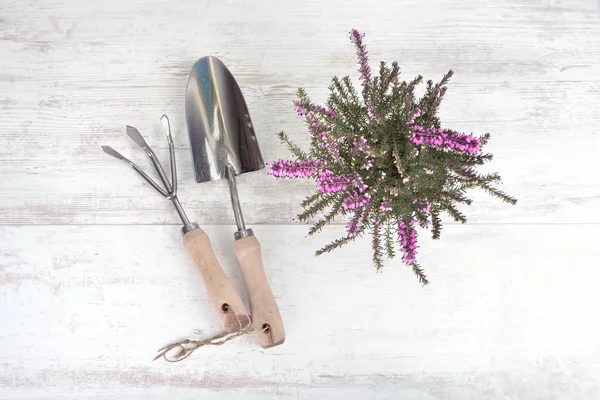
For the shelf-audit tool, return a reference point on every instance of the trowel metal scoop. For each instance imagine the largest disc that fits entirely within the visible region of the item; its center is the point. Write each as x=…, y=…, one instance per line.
x=224, y=145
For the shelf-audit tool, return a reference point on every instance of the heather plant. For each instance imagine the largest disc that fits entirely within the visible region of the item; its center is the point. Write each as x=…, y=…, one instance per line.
x=382, y=161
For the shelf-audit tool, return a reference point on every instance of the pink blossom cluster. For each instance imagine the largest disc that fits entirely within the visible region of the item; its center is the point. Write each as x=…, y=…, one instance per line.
x=313, y=125
x=359, y=184
x=385, y=206
x=359, y=146
x=303, y=108
x=363, y=60
x=426, y=210
x=356, y=35
x=294, y=169
x=441, y=140
x=368, y=164
x=353, y=226
x=326, y=181
x=408, y=236
x=330, y=144
x=329, y=183
x=355, y=200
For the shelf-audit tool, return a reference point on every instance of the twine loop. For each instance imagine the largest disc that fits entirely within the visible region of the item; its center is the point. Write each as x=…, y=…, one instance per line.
x=185, y=348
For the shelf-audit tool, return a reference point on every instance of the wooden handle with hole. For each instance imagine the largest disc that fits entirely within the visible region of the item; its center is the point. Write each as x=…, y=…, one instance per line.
x=265, y=313
x=224, y=297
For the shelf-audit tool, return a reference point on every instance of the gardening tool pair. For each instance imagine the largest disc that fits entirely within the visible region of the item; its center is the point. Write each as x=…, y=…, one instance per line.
x=224, y=145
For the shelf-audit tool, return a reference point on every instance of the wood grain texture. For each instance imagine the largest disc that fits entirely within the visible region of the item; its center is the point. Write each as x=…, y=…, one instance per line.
x=73, y=74
x=512, y=309
x=266, y=317
x=512, y=315
x=225, y=299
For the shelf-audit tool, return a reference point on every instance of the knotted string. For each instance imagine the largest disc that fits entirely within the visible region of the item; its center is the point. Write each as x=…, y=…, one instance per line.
x=186, y=347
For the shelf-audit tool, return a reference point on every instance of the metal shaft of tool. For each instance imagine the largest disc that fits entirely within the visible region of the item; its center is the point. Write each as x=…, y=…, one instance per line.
x=180, y=212
x=235, y=200
x=242, y=232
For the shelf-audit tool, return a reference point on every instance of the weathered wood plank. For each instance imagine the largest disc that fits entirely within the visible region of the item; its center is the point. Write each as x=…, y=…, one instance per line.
x=102, y=190
x=72, y=77
x=510, y=312
x=508, y=315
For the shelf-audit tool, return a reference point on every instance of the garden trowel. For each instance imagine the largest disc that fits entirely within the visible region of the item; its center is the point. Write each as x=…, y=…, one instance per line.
x=224, y=145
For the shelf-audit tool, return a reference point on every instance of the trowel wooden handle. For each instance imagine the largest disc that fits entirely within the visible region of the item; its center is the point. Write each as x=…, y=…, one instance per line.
x=225, y=299
x=265, y=313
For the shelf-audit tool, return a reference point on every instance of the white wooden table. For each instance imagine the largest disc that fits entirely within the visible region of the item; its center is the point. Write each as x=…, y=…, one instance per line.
x=93, y=275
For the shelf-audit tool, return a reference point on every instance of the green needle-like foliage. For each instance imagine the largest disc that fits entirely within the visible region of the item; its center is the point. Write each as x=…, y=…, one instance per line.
x=383, y=162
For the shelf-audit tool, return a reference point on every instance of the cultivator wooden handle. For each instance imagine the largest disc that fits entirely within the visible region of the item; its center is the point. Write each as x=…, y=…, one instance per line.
x=224, y=297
